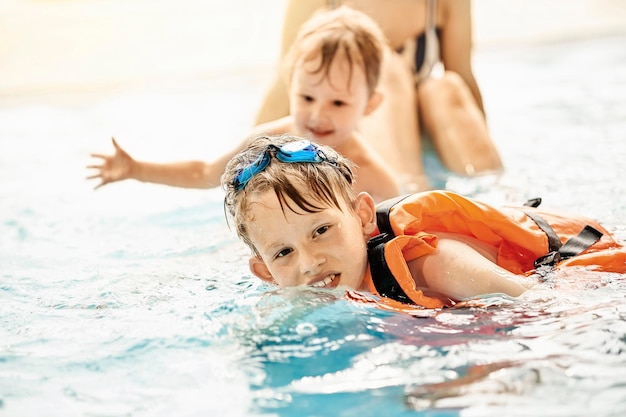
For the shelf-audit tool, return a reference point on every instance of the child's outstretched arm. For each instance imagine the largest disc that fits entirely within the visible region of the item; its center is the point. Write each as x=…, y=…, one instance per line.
x=462, y=270
x=187, y=174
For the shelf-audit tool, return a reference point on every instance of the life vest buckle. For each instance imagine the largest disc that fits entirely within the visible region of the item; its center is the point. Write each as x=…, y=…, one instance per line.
x=550, y=259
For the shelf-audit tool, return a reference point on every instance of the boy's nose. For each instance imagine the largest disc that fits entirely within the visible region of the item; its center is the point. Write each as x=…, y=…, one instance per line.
x=311, y=262
x=318, y=114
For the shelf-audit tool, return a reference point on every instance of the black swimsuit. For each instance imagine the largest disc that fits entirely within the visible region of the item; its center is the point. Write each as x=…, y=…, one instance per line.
x=427, y=56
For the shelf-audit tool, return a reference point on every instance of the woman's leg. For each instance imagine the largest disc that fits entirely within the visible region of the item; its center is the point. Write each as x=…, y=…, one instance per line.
x=449, y=113
x=393, y=129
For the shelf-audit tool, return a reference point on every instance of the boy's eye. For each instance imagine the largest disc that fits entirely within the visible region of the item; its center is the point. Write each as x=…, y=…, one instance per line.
x=321, y=230
x=339, y=103
x=307, y=98
x=284, y=252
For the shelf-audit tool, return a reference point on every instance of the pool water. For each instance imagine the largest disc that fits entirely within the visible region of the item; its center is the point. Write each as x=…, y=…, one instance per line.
x=136, y=300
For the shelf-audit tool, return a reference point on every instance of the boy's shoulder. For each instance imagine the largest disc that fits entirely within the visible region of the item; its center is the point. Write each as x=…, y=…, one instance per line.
x=359, y=151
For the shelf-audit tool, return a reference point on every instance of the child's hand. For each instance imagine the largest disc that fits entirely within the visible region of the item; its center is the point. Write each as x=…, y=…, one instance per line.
x=114, y=167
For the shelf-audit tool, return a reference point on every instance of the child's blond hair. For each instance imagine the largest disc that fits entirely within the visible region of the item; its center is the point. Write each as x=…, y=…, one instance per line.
x=302, y=187
x=340, y=31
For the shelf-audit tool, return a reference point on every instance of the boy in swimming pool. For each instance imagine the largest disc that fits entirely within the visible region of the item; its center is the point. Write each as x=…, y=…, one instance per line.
x=292, y=202
x=333, y=68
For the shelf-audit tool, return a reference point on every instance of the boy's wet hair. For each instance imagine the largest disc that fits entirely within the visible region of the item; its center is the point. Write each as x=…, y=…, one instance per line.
x=342, y=31
x=302, y=187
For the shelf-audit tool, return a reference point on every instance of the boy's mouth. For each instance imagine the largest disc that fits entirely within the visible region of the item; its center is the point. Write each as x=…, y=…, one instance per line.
x=319, y=133
x=325, y=282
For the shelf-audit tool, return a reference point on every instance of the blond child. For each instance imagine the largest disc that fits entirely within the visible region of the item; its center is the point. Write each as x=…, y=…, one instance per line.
x=292, y=202
x=333, y=70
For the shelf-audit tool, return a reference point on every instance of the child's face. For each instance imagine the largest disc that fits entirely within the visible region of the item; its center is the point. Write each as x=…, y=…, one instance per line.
x=324, y=249
x=327, y=109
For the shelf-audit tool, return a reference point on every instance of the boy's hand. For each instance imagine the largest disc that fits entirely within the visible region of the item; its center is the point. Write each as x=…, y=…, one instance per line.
x=114, y=167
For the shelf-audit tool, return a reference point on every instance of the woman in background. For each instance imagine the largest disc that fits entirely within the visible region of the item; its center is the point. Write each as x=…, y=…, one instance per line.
x=427, y=81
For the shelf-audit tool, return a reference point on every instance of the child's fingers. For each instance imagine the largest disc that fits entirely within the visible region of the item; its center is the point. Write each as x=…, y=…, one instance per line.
x=94, y=176
x=115, y=143
x=99, y=185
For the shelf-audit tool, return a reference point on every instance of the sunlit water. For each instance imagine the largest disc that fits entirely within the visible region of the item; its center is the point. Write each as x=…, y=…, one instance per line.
x=136, y=300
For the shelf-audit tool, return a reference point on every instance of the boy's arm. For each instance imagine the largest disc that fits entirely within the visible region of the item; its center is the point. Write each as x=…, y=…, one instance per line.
x=184, y=174
x=460, y=271
x=188, y=174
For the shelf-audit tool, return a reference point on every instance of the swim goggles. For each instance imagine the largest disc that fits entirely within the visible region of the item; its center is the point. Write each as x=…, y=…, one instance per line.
x=292, y=152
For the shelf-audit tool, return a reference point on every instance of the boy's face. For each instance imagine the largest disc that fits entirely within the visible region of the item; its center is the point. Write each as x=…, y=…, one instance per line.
x=324, y=249
x=327, y=109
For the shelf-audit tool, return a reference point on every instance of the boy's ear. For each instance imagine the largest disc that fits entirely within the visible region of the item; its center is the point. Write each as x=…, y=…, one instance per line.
x=374, y=101
x=365, y=208
x=258, y=268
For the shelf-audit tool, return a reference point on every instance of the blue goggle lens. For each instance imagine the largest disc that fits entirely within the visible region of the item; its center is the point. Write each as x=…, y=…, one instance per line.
x=293, y=152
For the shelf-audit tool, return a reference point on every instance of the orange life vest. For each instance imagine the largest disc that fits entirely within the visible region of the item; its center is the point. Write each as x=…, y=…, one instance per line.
x=524, y=238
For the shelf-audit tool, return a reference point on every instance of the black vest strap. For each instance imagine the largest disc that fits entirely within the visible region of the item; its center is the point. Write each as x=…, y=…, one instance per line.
x=575, y=245
x=382, y=214
x=385, y=283
x=581, y=242
x=533, y=202
x=554, y=243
